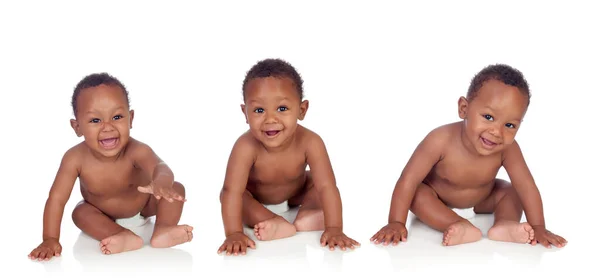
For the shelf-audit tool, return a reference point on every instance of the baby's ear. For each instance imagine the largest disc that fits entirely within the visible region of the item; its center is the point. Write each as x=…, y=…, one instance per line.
x=303, y=109
x=463, y=104
x=131, y=112
x=75, y=126
x=244, y=111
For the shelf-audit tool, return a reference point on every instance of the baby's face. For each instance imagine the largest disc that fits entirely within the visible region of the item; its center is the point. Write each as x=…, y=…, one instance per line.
x=494, y=116
x=104, y=119
x=273, y=108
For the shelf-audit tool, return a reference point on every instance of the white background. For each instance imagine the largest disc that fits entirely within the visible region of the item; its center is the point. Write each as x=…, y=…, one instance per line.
x=378, y=76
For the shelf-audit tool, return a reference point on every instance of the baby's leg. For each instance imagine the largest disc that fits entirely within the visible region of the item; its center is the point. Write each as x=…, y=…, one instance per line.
x=433, y=212
x=505, y=202
x=310, y=214
x=166, y=231
x=113, y=238
x=267, y=225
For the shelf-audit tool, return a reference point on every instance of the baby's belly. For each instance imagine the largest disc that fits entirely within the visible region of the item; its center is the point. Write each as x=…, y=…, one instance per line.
x=119, y=206
x=274, y=194
x=461, y=197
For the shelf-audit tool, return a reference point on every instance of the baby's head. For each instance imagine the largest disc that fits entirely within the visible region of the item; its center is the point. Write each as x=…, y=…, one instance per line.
x=273, y=101
x=102, y=116
x=495, y=105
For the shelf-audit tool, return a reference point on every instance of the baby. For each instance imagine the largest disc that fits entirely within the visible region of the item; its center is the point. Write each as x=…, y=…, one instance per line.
x=455, y=166
x=268, y=164
x=117, y=175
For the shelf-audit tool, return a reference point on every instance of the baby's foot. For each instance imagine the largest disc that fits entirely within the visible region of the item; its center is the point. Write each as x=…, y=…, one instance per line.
x=310, y=220
x=274, y=228
x=168, y=236
x=511, y=232
x=121, y=242
x=461, y=232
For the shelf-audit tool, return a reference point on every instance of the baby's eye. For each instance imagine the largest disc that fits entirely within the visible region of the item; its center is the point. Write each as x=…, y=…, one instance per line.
x=488, y=117
x=259, y=110
x=282, y=108
x=509, y=125
x=95, y=120
x=117, y=117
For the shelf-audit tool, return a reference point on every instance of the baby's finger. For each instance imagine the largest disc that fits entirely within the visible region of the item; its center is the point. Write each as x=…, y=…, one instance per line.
x=396, y=239
x=34, y=254
x=332, y=243
x=544, y=242
x=229, y=249
x=251, y=244
x=349, y=243
x=554, y=239
x=221, y=249
x=237, y=246
x=375, y=236
x=388, y=239
x=404, y=235
x=324, y=239
x=342, y=244
x=562, y=240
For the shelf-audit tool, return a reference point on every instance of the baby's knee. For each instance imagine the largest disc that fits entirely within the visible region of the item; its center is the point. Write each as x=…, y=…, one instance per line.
x=81, y=211
x=423, y=194
x=179, y=188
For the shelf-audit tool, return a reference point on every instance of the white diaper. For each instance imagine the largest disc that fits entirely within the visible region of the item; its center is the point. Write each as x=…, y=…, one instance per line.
x=133, y=222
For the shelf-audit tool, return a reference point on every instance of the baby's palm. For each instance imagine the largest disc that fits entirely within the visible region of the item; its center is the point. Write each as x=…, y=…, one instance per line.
x=166, y=192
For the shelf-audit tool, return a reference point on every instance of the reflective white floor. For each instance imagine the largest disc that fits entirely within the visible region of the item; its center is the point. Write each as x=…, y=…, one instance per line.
x=301, y=254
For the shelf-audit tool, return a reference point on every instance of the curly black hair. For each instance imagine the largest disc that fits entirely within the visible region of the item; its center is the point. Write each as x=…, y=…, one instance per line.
x=274, y=68
x=93, y=80
x=503, y=73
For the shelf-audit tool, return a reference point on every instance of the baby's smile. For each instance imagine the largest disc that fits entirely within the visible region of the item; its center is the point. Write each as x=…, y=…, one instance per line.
x=109, y=143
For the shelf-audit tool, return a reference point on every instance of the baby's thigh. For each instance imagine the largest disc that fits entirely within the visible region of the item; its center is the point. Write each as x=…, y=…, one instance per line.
x=307, y=190
x=500, y=190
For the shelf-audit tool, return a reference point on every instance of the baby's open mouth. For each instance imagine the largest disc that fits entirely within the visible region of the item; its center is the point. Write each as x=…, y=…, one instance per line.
x=109, y=143
x=272, y=132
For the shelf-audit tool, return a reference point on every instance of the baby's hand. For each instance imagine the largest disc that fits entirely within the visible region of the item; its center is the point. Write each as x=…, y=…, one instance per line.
x=393, y=232
x=547, y=238
x=161, y=191
x=236, y=243
x=335, y=236
x=46, y=250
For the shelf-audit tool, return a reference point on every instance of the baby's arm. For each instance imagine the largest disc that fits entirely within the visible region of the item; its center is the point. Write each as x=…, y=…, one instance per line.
x=425, y=156
x=162, y=176
x=55, y=204
x=530, y=197
x=240, y=162
x=325, y=184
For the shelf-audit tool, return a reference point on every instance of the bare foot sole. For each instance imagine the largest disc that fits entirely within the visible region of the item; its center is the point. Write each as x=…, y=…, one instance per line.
x=310, y=220
x=511, y=232
x=274, y=228
x=460, y=233
x=121, y=242
x=168, y=236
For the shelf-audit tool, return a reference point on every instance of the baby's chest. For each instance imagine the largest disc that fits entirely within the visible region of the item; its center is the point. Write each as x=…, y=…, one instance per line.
x=459, y=170
x=275, y=169
x=109, y=180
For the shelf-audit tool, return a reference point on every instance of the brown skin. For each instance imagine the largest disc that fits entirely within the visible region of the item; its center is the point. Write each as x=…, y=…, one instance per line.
x=271, y=169
x=455, y=166
x=116, y=181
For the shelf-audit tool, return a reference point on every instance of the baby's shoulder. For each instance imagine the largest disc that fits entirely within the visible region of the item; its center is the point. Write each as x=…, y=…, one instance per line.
x=246, y=143
x=443, y=134
x=307, y=137
x=75, y=155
